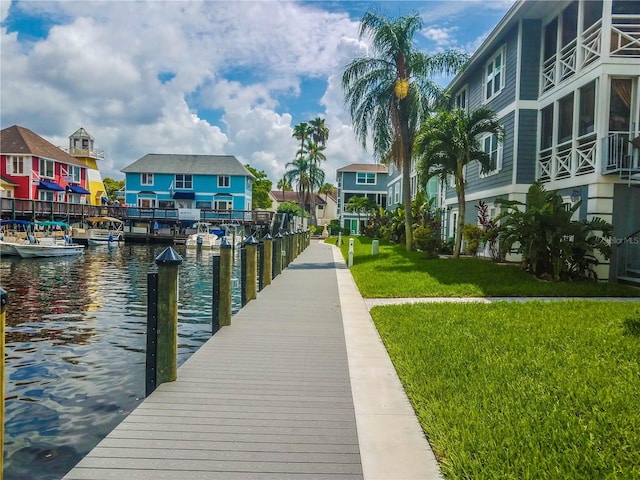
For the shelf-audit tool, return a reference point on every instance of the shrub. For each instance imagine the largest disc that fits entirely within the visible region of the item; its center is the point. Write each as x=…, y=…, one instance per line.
x=427, y=240
x=473, y=235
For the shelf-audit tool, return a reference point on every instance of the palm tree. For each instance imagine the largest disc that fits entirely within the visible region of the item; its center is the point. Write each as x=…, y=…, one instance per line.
x=319, y=131
x=307, y=176
x=449, y=141
x=301, y=132
x=390, y=93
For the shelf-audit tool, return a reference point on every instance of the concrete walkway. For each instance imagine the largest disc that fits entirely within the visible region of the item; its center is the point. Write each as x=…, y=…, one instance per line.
x=299, y=386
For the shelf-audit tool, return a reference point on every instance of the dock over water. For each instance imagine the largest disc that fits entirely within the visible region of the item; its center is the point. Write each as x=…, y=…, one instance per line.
x=298, y=387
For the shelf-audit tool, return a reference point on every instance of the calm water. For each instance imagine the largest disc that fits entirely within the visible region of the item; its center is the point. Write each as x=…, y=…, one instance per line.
x=75, y=343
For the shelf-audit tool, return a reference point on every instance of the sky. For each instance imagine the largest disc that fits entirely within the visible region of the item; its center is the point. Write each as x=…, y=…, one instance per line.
x=203, y=77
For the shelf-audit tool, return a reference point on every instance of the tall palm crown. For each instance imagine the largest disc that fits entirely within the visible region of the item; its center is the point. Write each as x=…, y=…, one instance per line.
x=449, y=141
x=301, y=132
x=389, y=93
x=307, y=176
x=319, y=131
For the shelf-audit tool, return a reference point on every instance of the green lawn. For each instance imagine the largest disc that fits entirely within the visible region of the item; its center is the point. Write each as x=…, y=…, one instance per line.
x=541, y=390
x=396, y=273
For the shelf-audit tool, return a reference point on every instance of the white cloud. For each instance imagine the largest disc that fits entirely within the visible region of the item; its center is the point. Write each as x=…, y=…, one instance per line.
x=441, y=36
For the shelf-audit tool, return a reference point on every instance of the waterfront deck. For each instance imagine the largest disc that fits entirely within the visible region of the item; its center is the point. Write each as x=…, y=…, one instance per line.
x=299, y=386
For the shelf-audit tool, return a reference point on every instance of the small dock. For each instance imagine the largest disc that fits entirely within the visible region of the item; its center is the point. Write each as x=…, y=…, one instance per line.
x=298, y=387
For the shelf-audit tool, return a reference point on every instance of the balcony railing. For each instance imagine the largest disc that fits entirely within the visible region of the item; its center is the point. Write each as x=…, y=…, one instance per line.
x=84, y=152
x=625, y=36
x=619, y=155
x=569, y=159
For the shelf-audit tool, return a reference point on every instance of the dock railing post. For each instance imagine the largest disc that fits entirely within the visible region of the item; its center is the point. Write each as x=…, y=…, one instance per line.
x=252, y=267
x=167, y=359
x=4, y=300
x=267, y=267
x=152, y=334
x=226, y=267
x=285, y=250
x=243, y=275
x=278, y=255
x=260, y=273
x=215, y=297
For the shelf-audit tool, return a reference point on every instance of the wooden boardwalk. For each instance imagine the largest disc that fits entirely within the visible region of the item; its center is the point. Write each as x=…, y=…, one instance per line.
x=267, y=398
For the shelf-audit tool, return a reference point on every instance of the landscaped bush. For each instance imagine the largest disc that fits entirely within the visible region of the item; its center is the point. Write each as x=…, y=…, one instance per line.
x=553, y=245
x=427, y=241
x=472, y=235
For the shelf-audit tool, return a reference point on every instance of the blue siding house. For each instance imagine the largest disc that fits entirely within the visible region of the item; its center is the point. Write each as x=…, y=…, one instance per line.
x=564, y=79
x=360, y=180
x=190, y=182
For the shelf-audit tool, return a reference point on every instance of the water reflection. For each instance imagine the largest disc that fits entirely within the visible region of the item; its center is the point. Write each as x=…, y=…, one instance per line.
x=75, y=341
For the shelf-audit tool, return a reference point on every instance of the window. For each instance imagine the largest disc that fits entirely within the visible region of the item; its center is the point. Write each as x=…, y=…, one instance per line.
x=224, y=181
x=222, y=205
x=184, y=182
x=365, y=178
x=203, y=204
x=46, y=195
x=492, y=147
x=72, y=174
x=620, y=105
x=15, y=165
x=397, y=193
x=461, y=99
x=146, y=179
x=494, y=77
x=565, y=120
x=592, y=13
x=46, y=168
x=547, y=127
x=166, y=204
x=390, y=193
x=569, y=23
x=550, y=39
x=146, y=202
x=586, y=121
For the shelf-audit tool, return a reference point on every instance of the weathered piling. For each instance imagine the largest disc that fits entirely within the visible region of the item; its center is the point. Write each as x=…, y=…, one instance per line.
x=267, y=260
x=152, y=334
x=252, y=268
x=260, y=272
x=167, y=358
x=243, y=275
x=278, y=255
x=4, y=300
x=226, y=267
x=215, y=297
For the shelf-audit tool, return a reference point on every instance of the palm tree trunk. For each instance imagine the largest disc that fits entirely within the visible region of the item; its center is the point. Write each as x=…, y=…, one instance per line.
x=461, y=213
x=405, y=151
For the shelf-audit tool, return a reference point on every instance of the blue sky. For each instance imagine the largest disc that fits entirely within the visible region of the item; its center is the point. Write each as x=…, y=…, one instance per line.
x=203, y=77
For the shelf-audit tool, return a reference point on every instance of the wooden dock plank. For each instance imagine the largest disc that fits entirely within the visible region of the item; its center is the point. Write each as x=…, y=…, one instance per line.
x=268, y=397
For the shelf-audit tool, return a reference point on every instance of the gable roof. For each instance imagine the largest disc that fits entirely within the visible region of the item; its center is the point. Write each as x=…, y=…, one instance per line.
x=290, y=196
x=364, y=167
x=17, y=140
x=188, y=165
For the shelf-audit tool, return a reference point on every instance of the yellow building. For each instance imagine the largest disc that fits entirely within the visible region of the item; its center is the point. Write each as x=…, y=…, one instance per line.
x=81, y=146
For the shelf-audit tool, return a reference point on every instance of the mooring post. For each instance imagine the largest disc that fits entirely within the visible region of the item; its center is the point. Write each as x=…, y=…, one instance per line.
x=252, y=270
x=285, y=250
x=224, y=300
x=260, y=272
x=167, y=359
x=215, y=294
x=267, y=268
x=243, y=275
x=4, y=299
x=152, y=334
x=278, y=255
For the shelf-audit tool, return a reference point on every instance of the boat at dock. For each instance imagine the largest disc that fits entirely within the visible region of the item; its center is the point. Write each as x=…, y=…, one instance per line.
x=12, y=233
x=51, y=240
x=99, y=231
x=203, y=237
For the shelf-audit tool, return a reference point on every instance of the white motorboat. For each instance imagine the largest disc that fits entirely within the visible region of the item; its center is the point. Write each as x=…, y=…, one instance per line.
x=12, y=233
x=99, y=231
x=203, y=237
x=49, y=247
x=56, y=242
